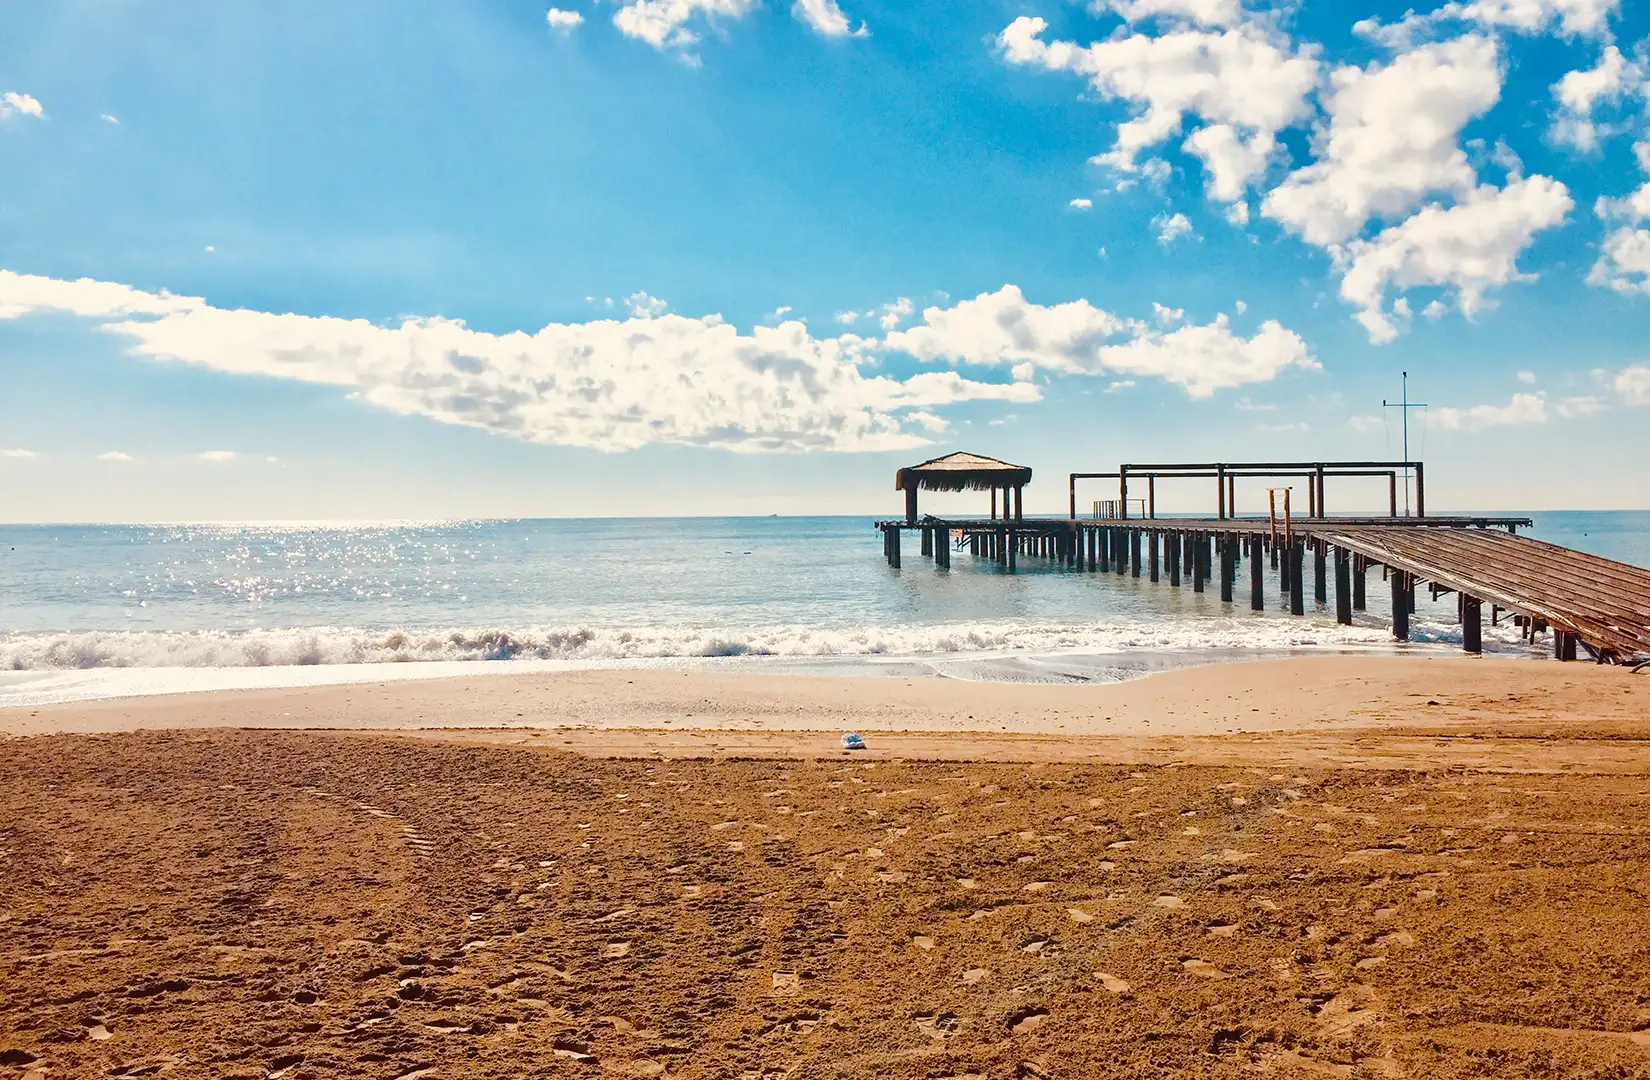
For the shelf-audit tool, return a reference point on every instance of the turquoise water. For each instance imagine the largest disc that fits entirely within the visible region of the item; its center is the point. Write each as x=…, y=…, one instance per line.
x=774, y=591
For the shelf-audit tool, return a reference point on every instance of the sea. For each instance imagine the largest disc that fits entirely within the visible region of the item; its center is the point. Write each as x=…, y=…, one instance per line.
x=99, y=611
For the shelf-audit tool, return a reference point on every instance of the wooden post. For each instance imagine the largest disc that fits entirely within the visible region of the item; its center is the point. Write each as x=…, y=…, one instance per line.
x=1420, y=492
x=942, y=548
x=1280, y=559
x=1228, y=567
x=911, y=502
x=1392, y=493
x=1120, y=542
x=1343, y=586
x=1171, y=553
x=1013, y=542
x=893, y=554
x=927, y=541
x=1320, y=586
x=1123, y=491
x=1151, y=551
x=1564, y=645
x=1073, y=486
x=993, y=503
x=1322, y=510
x=1220, y=491
x=1257, y=574
x=1297, y=579
x=1200, y=556
x=1151, y=496
x=1403, y=595
x=1134, y=552
x=1020, y=503
x=1472, y=624
x=1094, y=550
x=1231, y=496
x=1360, y=567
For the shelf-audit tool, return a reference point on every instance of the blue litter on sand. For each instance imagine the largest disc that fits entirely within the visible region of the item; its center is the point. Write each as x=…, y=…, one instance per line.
x=851, y=741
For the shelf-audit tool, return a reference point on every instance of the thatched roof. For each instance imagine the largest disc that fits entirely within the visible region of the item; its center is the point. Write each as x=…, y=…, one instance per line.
x=962, y=472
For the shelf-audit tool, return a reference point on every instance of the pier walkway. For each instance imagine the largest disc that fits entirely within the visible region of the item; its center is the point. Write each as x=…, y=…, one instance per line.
x=1585, y=602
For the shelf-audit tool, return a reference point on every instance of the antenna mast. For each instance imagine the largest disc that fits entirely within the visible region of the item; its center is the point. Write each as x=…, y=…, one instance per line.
x=1404, y=406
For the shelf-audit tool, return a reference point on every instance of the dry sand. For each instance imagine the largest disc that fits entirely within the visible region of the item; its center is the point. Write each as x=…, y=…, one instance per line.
x=1367, y=885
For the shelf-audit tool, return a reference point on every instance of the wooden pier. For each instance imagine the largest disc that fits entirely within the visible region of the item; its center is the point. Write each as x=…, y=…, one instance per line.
x=1586, y=603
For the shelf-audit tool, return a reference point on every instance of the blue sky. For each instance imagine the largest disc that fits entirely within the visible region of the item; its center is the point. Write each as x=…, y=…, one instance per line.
x=734, y=256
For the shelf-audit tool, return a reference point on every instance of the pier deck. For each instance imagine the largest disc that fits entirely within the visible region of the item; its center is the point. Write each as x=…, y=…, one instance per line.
x=1597, y=604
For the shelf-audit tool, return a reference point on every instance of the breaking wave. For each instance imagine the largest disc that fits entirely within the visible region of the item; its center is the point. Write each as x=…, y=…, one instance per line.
x=92, y=649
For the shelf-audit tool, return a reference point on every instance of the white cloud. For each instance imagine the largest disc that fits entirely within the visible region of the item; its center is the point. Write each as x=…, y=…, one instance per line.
x=114, y=455
x=1082, y=204
x=1580, y=91
x=1238, y=214
x=606, y=384
x=1522, y=409
x=14, y=102
x=1391, y=139
x=1527, y=378
x=1574, y=17
x=777, y=314
x=1363, y=425
x=1633, y=384
x=17, y=452
x=893, y=314
x=1530, y=16
x=1240, y=307
x=663, y=23
x=217, y=455
x=109, y=118
x=1472, y=247
x=1171, y=227
x=1167, y=316
x=1579, y=406
x=826, y=18
x=1200, y=12
x=1238, y=79
x=643, y=306
x=1117, y=386
x=1624, y=262
x=847, y=318
x=562, y=21
x=929, y=421
x=1003, y=328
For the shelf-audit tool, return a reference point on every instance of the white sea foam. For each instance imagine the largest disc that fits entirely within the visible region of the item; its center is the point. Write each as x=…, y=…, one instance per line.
x=327, y=645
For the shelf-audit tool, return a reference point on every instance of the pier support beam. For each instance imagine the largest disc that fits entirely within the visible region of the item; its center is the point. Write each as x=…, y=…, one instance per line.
x=1171, y=554
x=1228, y=567
x=927, y=541
x=1151, y=550
x=1121, y=544
x=1200, y=562
x=1257, y=573
x=1403, y=595
x=1134, y=552
x=1343, y=586
x=1360, y=567
x=1472, y=624
x=1320, y=586
x=893, y=547
x=1296, y=555
x=1564, y=645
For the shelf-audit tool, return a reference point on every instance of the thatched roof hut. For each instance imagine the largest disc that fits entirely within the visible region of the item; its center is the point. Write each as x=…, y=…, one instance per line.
x=961, y=472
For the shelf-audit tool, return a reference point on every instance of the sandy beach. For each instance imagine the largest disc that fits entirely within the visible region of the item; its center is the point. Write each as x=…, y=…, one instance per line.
x=1334, y=867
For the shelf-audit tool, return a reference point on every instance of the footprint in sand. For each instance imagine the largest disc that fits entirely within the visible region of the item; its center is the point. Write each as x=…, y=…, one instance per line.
x=1168, y=901
x=786, y=983
x=1203, y=968
x=1369, y=962
x=974, y=975
x=967, y=883
x=1112, y=982
x=1222, y=930
x=616, y=949
x=938, y=1025
x=922, y=941
x=1034, y=886
x=1079, y=915
x=1023, y=1021
x=692, y=892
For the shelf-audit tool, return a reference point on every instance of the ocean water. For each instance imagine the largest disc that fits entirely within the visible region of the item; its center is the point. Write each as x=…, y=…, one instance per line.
x=101, y=610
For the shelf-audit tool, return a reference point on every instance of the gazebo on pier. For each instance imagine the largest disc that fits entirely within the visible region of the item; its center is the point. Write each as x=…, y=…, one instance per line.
x=966, y=472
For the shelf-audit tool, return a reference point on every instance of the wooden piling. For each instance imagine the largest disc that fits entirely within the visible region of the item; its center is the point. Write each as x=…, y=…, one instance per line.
x=1403, y=596
x=893, y=552
x=1171, y=554
x=1134, y=552
x=1257, y=574
x=1151, y=550
x=1228, y=567
x=1200, y=556
x=1343, y=587
x=927, y=541
x=1360, y=568
x=1320, y=584
x=1472, y=624
x=1564, y=645
x=1297, y=579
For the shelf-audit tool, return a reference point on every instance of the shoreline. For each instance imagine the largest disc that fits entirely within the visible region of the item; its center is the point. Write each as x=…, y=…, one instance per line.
x=1294, y=694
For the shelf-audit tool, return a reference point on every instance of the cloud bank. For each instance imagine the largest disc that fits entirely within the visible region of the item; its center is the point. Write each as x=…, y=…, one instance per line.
x=655, y=378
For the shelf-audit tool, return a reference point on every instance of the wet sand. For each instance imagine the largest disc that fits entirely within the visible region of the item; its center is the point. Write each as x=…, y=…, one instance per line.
x=1376, y=887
